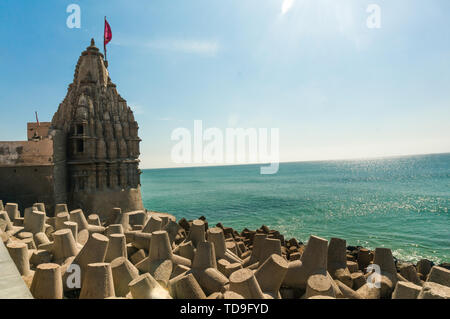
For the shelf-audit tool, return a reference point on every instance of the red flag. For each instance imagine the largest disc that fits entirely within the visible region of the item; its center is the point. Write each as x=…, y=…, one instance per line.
x=107, y=35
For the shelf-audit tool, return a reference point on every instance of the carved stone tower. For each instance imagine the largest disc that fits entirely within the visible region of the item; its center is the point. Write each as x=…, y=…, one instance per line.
x=102, y=142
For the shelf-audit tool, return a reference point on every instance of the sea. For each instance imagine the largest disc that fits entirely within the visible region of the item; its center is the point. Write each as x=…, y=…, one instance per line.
x=402, y=203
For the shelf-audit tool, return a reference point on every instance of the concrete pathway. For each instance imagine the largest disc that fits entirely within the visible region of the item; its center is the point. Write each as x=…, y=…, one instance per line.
x=11, y=284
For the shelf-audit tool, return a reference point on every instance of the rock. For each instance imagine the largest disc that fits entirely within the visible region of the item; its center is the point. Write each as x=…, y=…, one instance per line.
x=445, y=265
x=363, y=258
x=424, y=267
x=408, y=271
x=352, y=266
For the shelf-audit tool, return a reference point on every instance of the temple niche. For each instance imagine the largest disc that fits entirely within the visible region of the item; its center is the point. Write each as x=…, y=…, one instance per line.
x=102, y=139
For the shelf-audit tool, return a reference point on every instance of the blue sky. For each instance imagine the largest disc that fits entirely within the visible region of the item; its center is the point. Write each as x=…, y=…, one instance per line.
x=335, y=88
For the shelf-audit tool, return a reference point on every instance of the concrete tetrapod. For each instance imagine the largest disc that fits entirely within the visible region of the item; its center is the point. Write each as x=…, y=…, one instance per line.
x=313, y=261
x=160, y=261
x=117, y=247
x=94, y=251
x=40, y=207
x=40, y=257
x=337, y=261
x=123, y=272
x=153, y=224
x=186, y=250
x=204, y=269
x=147, y=287
x=47, y=282
x=269, y=246
x=216, y=236
x=258, y=240
x=114, y=216
x=64, y=245
x=364, y=258
x=60, y=208
x=9, y=225
x=384, y=259
x=244, y=283
x=73, y=228
x=60, y=219
x=40, y=238
x=98, y=282
x=141, y=240
x=197, y=232
x=347, y=292
x=319, y=285
x=432, y=290
x=124, y=220
x=94, y=219
x=138, y=256
x=19, y=254
x=172, y=228
x=160, y=249
x=78, y=217
x=227, y=268
x=137, y=217
x=34, y=223
x=187, y=287
x=114, y=229
x=12, y=209
x=406, y=290
x=408, y=271
x=270, y=275
x=439, y=275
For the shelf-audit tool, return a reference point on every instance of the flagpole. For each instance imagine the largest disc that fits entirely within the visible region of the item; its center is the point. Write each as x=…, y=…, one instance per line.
x=104, y=44
x=38, y=124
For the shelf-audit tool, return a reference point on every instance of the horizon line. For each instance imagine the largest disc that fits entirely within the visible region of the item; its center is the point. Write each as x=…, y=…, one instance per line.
x=305, y=161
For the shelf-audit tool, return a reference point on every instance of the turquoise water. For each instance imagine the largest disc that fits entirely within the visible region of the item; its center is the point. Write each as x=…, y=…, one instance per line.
x=402, y=203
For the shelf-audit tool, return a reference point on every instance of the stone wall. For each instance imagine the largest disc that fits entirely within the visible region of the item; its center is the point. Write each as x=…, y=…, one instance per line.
x=60, y=184
x=102, y=202
x=27, y=173
x=26, y=185
x=26, y=153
